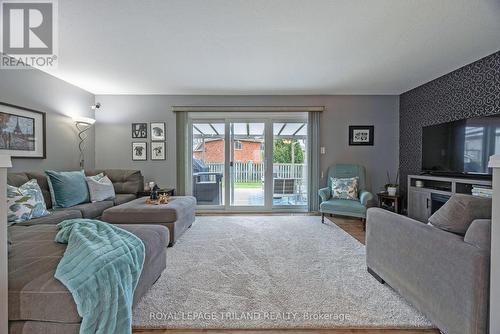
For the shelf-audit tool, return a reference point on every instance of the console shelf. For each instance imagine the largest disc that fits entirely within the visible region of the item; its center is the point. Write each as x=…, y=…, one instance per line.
x=428, y=193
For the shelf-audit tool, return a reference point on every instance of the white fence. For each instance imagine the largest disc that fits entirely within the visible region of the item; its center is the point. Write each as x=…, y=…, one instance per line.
x=254, y=172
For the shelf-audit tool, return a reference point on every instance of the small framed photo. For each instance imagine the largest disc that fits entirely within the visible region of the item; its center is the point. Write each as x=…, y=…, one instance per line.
x=158, y=151
x=158, y=131
x=140, y=130
x=139, y=151
x=361, y=135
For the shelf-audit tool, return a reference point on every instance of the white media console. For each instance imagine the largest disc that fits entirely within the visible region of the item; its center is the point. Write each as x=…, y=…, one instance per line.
x=428, y=193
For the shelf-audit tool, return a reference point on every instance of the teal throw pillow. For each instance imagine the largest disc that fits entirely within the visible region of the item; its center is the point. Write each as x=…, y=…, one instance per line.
x=67, y=189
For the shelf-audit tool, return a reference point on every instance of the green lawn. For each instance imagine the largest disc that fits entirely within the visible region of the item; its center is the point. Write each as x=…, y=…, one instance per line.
x=248, y=185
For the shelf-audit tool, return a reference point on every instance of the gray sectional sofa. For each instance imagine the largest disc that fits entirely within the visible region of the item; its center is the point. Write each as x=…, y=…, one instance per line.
x=38, y=303
x=444, y=275
x=127, y=184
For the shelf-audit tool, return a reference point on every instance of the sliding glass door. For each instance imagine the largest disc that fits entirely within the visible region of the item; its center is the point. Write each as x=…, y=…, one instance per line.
x=249, y=164
x=208, y=163
x=289, y=164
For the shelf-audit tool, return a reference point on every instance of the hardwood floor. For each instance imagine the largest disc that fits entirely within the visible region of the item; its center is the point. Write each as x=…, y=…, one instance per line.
x=352, y=226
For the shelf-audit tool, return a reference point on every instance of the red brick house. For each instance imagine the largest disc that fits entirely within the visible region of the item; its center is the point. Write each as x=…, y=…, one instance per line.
x=213, y=151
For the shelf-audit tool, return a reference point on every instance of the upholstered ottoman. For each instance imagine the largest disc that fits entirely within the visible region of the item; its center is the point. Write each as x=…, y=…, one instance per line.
x=178, y=215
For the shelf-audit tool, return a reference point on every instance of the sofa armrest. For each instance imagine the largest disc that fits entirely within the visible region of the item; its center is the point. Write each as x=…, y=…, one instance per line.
x=325, y=194
x=365, y=197
x=436, y=271
x=479, y=234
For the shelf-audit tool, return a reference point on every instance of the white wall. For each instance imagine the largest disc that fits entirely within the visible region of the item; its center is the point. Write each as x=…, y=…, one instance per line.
x=37, y=90
x=113, y=129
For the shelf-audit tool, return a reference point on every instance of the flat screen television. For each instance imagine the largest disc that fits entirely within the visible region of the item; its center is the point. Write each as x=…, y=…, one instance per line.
x=461, y=148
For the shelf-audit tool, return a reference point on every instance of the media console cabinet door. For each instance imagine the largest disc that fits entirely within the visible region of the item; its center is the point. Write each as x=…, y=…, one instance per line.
x=419, y=205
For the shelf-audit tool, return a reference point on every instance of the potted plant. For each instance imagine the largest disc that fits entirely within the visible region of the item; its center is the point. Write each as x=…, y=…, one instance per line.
x=392, y=187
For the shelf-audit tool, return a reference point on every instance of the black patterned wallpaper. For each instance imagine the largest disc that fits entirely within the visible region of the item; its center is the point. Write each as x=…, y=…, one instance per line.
x=473, y=90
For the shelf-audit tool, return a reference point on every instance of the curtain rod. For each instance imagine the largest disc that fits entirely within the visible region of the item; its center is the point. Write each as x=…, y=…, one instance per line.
x=247, y=108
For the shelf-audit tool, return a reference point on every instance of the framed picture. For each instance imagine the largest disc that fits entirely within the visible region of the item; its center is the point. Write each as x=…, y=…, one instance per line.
x=361, y=135
x=139, y=151
x=140, y=130
x=158, y=132
x=158, y=151
x=22, y=132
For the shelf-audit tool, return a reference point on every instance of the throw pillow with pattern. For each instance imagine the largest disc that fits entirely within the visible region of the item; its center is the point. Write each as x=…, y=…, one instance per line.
x=25, y=202
x=345, y=188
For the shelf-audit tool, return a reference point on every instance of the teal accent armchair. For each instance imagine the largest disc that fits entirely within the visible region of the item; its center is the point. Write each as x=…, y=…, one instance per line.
x=344, y=207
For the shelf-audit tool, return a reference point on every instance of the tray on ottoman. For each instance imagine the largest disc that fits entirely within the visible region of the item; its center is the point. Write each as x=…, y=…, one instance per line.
x=177, y=215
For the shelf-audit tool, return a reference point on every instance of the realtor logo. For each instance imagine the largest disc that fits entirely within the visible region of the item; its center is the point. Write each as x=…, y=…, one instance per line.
x=28, y=32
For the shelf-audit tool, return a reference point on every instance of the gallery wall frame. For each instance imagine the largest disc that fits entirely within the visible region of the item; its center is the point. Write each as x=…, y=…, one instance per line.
x=158, y=151
x=139, y=130
x=158, y=131
x=139, y=151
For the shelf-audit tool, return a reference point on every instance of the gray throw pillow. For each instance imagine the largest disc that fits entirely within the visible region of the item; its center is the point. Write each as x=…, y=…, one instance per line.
x=100, y=188
x=459, y=212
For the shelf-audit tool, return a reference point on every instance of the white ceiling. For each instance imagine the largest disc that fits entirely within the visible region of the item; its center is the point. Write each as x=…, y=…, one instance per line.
x=270, y=46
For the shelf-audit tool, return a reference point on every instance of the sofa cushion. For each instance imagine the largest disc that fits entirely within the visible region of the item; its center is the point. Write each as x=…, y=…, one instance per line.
x=123, y=198
x=343, y=206
x=100, y=188
x=34, y=293
x=90, y=210
x=459, y=211
x=125, y=181
x=67, y=189
x=479, y=234
x=25, y=202
x=54, y=218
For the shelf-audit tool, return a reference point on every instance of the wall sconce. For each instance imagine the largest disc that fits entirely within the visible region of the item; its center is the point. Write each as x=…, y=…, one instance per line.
x=82, y=125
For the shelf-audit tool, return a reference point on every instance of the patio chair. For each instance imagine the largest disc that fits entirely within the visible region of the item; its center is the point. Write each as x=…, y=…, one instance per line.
x=352, y=208
x=284, y=188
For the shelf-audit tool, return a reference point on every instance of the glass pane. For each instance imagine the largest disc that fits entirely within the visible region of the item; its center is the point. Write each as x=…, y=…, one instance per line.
x=289, y=164
x=247, y=171
x=208, y=163
x=474, y=143
x=291, y=128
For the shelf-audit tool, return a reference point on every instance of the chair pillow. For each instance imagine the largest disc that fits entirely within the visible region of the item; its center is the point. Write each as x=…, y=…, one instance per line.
x=100, y=188
x=25, y=202
x=458, y=213
x=67, y=189
x=345, y=188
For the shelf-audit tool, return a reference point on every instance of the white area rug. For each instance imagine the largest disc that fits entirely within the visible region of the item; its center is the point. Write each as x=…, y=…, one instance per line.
x=257, y=272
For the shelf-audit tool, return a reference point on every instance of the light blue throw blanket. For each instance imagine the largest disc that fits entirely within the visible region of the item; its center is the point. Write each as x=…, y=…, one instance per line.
x=100, y=267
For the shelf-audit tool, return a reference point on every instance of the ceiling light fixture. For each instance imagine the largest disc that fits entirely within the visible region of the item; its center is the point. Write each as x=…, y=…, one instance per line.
x=96, y=106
